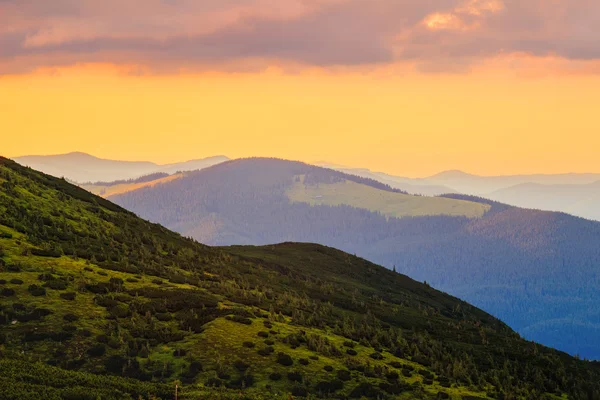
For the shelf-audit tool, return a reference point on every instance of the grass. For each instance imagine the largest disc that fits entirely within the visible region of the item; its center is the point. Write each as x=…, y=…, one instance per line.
x=390, y=204
x=111, y=190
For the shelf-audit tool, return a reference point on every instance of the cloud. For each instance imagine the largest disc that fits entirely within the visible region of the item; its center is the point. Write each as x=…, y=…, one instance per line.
x=186, y=34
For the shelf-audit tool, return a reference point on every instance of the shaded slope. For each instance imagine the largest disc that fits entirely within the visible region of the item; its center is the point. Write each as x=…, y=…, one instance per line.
x=530, y=268
x=86, y=286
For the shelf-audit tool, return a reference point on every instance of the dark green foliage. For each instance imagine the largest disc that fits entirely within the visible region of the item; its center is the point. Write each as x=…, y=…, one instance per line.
x=344, y=375
x=328, y=368
x=328, y=387
x=15, y=281
x=97, y=350
x=275, y=376
x=70, y=317
x=269, y=342
x=249, y=344
x=240, y=319
x=7, y=292
x=294, y=376
x=56, y=284
x=303, y=361
x=284, y=359
x=36, y=290
x=266, y=351
x=263, y=334
x=351, y=352
x=376, y=356
x=241, y=365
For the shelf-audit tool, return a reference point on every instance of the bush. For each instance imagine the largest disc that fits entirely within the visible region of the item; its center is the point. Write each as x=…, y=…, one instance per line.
x=241, y=366
x=248, y=344
x=2, y=282
x=157, y=281
x=284, y=359
x=328, y=368
x=351, y=352
x=36, y=290
x=68, y=296
x=263, y=334
x=56, y=284
x=396, y=364
x=132, y=280
x=239, y=319
x=70, y=317
x=349, y=344
x=265, y=351
x=269, y=342
x=406, y=372
x=7, y=292
x=164, y=317
x=120, y=311
x=97, y=350
x=327, y=387
x=275, y=376
x=314, y=357
x=294, y=376
x=267, y=324
x=392, y=376
x=344, y=375
x=16, y=281
x=299, y=391
x=303, y=361
x=376, y=356
x=179, y=353
x=213, y=382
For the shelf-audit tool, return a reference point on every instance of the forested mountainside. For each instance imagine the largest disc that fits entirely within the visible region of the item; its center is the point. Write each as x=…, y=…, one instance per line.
x=537, y=271
x=97, y=303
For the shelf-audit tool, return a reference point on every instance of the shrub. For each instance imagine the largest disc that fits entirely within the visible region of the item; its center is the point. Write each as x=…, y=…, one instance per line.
x=68, y=296
x=294, y=376
x=120, y=311
x=265, y=351
x=376, y=356
x=56, y=284
x=179, y=352
x=241, y=366
x=351, y=352
x=327, y=387
x=164, y=317
x=267, y=324
x=132, y=280
x=2, y=282
x=299, y=391
x=303, y=361
x=7, y=292
x=16, y=281
x=396, y=364
x=36, y=290
x=248, y=344
x=114, y=343
x=328, y=368
x=314, y=357
x=97, y=350
x=102, y=273
x=263, y=334
x=406, y=372
x=213, y=382
x=284, y=359
x=269, y=342
x=392, y=376
x=239, y=319
x=344, y=375
x=70, y=317
x=157, y=281
x=349, y=344
x=275, y=376
x=443, y=395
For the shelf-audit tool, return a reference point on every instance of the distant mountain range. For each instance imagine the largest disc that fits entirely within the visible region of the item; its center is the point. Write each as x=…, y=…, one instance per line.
x=84, y=168
x=536, y=270
x=576, y=194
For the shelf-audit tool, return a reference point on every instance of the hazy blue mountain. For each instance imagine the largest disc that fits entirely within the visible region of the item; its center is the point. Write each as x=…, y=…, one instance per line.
x=536, y=270
x=82, y=167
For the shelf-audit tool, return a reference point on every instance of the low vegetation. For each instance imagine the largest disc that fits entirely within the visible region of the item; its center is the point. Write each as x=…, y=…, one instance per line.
x=97, y=303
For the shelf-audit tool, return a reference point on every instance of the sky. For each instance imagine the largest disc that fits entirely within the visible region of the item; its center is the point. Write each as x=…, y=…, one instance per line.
x=412, y=88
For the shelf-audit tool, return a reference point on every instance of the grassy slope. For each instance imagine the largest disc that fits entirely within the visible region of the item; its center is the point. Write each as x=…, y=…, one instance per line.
x=387, y=203
x=163, y=308
x=112, y=190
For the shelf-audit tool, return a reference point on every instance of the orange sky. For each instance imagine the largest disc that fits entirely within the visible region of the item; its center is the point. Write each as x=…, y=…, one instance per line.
x=486, y=86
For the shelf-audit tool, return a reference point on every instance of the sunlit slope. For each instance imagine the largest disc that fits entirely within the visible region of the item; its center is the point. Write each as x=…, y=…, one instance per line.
x=97, y=303
x=106, y=190
x=390, y=204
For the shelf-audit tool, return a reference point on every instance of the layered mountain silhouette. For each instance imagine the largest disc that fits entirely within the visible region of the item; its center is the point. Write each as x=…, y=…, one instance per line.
x=82, y=167
x=536, y=270
x=97, y=303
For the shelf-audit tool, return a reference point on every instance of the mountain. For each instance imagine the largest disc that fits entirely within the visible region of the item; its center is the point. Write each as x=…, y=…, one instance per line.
x=578, y=200
x=537, y=271
x=97, y=303
x=484, y=185
x=409, y=185
x=82, y=167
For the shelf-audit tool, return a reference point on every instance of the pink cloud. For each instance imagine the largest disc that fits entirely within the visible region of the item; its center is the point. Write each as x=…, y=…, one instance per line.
x=186, y=34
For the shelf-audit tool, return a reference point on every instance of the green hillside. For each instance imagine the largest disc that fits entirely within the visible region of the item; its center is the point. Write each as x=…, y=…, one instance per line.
x=97, y=303
x=388, y=203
